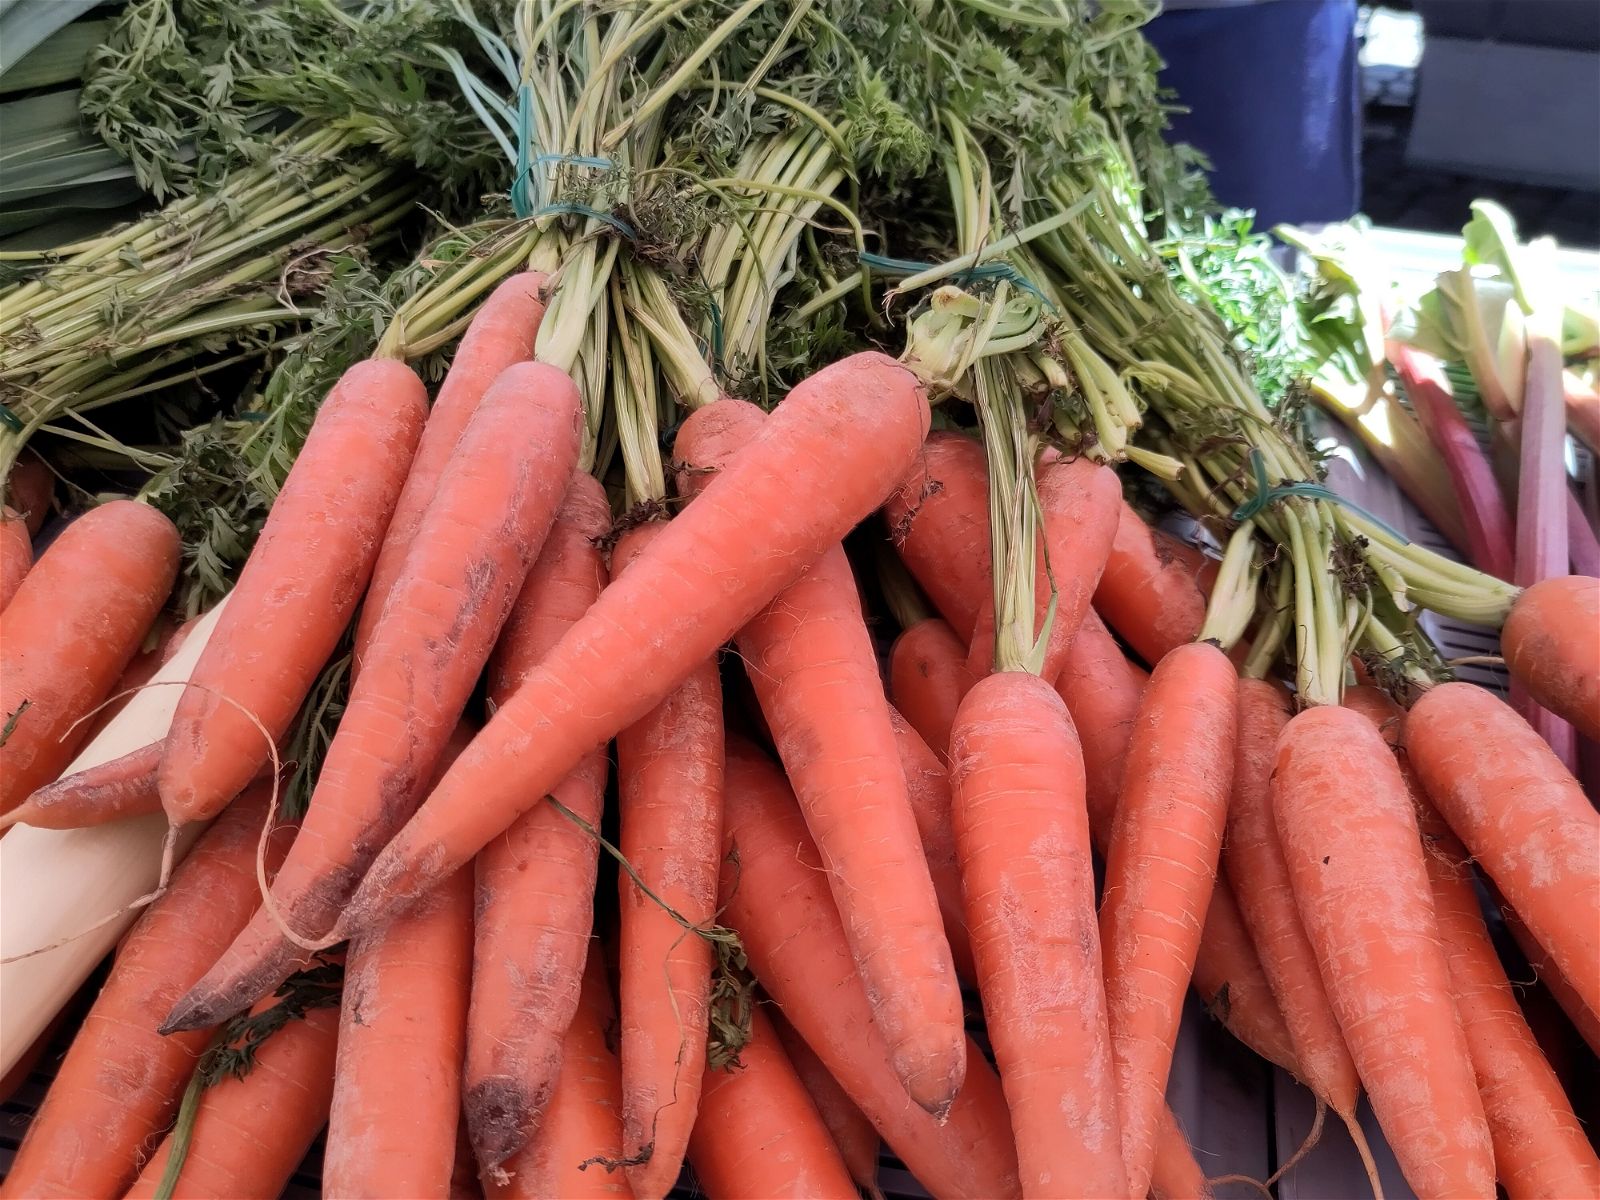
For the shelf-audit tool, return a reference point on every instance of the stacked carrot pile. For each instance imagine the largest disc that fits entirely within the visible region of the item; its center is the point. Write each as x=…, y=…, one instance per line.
x=623, y=849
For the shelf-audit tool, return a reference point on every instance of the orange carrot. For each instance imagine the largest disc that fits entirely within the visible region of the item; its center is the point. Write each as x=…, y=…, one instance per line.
x=817, y=468
x=533, y=924
x=1022, y=831
x=501, y=334
x=297, y=590
x=1102, y=690
x=1349, y=837
x=927, y=677
x=669, y=768
x=928, y=789
x=577, y=1149
x=1154, y=588
x=1523, y=816
x=776, y=897
x=122, y=787
x=760, y=1134
x=70, y=630
x=1080, y=501
x=815, y=673
x=564, y=582
x=1540, y=1148
x=402, y=1031
x=1160, y=872
x=250, y=1133
x=939, y=520
x=163, y=640
x=1579, y=1014
x=120, y=1082
x=1552, y=647
x=852, y=1133
x=21, y=1070
x=16, y=554
x=492, y=511
x=1261, y=883
x=1229, y=978
x=1175, y=1175
x=30, y=490
x=464, y=1183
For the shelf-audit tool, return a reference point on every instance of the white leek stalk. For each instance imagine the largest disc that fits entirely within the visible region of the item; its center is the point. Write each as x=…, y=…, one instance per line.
x=57, y=883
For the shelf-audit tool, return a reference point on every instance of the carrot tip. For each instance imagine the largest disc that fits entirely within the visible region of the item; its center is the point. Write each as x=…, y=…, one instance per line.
x=500, y=1118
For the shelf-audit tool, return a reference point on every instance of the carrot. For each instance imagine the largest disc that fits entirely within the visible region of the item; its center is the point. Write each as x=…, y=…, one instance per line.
x=164, y=639
x=1080, y=503
x=1261, y=883
x=70, y=630
x=1154, y=588
x=1229, y=979
x=13, y=1080
x=533, y=924
x=1540, y=1148
x=1579, y=1014
x=16, y=554
x=492, y=511
x=501, y=334
x=927, y=677
x=1022, y=831
x=30, y=490
x=775, y=896
x=939, y=520
x=1349, y=837
x=562, y=585
x=123, y=787
x=576, y=1152
x=669, y=768
x=1160, y=872
x=120, y=1082
x=811, y=662
x=1523, y=816
x=818, y=466
x=1102, y=690
x=402, y=1030
x=1552, y=647
x=852, y=1133
x=250, y=1133
x=464, y=1183
x=1174, y=1173
x=760, y=1134
x=928, y=788
x=297, y=590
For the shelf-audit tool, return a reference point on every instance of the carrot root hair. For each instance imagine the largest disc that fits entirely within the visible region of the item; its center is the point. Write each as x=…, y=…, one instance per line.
x=1368, y=1163
x=1264, y=1186
x=169, y=842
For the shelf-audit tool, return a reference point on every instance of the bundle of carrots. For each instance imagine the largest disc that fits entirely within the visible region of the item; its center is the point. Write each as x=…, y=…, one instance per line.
x=580, y=900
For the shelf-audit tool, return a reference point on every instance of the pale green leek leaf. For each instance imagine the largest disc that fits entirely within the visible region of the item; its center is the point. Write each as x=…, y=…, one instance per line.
x=24, y=24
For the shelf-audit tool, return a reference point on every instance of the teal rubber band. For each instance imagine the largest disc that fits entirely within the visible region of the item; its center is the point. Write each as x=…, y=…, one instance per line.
x=1267, y=494
x=11, y=420
x=983, y=272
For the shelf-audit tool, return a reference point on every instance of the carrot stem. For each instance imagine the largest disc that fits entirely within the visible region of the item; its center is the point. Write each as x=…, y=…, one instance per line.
x=1233, y=596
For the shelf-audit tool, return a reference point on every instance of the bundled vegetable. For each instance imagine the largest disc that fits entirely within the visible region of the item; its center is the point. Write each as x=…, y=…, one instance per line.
x=666, y=423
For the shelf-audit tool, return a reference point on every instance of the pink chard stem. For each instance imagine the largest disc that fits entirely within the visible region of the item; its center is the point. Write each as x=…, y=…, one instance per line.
x=1542, y=500
x=1483, y=511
